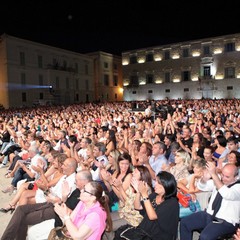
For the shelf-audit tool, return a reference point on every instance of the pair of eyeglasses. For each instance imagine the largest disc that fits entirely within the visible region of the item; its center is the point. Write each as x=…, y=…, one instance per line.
x=84, y=190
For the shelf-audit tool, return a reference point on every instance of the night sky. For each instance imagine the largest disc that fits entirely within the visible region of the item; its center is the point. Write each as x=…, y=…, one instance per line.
x=115, y=26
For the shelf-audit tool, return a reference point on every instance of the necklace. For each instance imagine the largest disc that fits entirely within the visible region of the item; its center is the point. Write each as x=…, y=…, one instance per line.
x=154, y=203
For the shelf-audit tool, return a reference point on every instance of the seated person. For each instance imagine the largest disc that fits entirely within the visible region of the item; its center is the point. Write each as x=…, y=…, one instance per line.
x=27, y=171
x=90, y=217
x=223, y=211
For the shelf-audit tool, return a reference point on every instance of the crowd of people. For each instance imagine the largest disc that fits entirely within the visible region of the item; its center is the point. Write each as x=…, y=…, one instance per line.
x=72, y=169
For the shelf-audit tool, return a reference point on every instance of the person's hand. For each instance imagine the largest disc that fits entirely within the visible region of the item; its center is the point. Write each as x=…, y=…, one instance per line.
x=206, y=176
x=117, y=183
x=237, y=235
x=62, y=210
x=71, y=144
x=143, y=188
x=143, y=158
x=106, y=175
x=134, y=183
x=65, y=188
x=211, y=167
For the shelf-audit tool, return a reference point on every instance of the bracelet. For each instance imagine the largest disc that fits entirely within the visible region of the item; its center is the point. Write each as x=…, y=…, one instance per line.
x=66, y=218
x=145, y=199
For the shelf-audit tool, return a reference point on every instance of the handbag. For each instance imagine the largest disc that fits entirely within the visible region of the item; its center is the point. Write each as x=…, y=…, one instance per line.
x=183, y=198
x=58, y=233
x=129, y=232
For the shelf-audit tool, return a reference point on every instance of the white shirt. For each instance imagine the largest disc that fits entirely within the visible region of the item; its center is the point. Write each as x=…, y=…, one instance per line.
x=230, y=206
x=96, y=174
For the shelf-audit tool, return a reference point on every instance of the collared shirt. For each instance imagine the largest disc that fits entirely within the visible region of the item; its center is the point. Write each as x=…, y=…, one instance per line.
x=157, y=162
x=96, y=173
x=230, y=206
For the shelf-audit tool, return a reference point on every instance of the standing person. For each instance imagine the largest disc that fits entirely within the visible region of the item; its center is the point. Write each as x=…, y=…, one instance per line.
x=37, y=214
x=218, y=219
x=160, y=210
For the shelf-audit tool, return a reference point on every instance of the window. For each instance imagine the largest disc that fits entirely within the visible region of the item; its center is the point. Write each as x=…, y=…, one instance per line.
x=167, y=90
x=149, y=78
x=185, y=76
x=134, y=80
x=134, y=92
x=64, y=64
x=86, y=85
x=229, y=87
x=22, y=58
x=57, y=82
x=186, y=89
x=133, y=59
x=206, y=50
x=206, y=71
x=23, y=79
x=115, y=96
x=40, y=61
x=86, y=69
x=115, y=80
x=106, y=80
x=115, y=66
x=76, y=67
x=105, y=65
x=230, y=72
x=24, y=97
x=185, y=52
x=150, y=91
x=167, y=55
x=41, y=95
x=167, y=77
x=67, y=83
x=40, y=80
x=77, y=84
x=229, y=47
x=77, y=97
x=149, y=57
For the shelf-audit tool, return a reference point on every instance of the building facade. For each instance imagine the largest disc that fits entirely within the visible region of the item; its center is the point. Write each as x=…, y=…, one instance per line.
x=204, y=68
x=107, y=77
x=33, y=73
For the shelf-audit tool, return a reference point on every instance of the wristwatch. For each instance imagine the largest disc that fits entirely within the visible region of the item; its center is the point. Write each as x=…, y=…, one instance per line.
x=145, y=199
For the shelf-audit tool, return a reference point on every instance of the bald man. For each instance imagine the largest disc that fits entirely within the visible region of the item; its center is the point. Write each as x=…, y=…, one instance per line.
x=215, y=222
x=32, y=214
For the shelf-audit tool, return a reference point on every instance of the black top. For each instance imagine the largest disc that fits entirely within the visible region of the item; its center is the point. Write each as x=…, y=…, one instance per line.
x=165, y=227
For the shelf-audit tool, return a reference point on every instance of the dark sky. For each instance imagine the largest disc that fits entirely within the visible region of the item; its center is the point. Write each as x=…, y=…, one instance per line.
x=115, y=26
